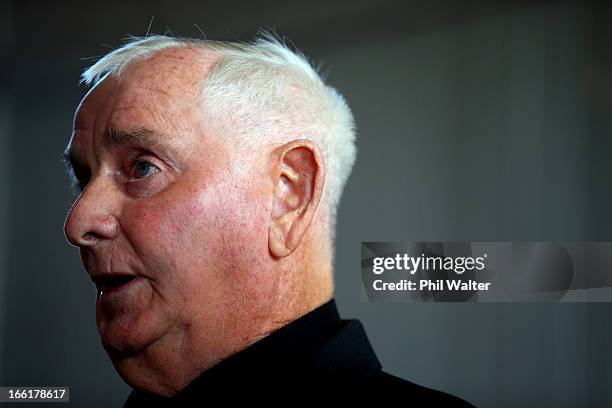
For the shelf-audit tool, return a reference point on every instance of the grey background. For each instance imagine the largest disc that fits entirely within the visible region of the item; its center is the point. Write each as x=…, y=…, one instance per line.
x=477, y=121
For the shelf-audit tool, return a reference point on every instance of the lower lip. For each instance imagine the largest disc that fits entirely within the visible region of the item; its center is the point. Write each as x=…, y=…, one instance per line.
x=126, y=298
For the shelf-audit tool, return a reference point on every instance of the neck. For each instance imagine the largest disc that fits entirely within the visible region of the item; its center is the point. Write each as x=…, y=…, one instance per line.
x=164, y=367
x=304, y=290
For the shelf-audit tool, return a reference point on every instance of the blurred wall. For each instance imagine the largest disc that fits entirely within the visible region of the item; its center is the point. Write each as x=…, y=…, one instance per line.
x=482, y=121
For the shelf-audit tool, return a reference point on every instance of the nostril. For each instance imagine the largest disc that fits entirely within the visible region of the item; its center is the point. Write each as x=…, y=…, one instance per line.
x=82, y=232
x=88, y=237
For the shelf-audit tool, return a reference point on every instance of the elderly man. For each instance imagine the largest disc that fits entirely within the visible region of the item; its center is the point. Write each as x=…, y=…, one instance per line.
x=209, y=177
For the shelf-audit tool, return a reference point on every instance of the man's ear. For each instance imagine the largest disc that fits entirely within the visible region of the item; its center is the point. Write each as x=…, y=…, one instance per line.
x=299, y=176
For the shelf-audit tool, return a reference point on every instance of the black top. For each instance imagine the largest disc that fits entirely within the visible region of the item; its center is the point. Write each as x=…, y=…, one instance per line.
x=318, y=357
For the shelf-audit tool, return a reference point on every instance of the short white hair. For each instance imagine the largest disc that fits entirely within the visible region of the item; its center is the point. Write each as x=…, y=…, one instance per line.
x=262, y=91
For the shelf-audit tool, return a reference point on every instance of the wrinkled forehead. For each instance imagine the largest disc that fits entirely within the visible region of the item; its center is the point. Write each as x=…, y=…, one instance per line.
x=163, y=88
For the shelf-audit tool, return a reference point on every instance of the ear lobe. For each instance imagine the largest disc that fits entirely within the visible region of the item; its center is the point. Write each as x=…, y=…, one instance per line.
x=299, y=181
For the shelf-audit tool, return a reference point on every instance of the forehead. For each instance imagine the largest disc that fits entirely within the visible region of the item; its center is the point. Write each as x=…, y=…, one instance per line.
x=161, y=91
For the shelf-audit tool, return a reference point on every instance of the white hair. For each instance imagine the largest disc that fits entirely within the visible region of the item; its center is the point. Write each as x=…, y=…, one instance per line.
x=261, y=91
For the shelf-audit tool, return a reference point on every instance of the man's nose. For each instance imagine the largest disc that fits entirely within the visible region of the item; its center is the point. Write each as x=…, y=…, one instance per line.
x=93, y=217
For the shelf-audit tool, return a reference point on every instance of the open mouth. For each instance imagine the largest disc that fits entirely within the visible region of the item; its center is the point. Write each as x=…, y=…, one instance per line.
x=112, y=282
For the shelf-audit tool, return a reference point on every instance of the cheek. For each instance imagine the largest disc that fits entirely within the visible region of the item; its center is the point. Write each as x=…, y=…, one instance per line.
x=209, y=243
x=250, y=283
x=168, y=233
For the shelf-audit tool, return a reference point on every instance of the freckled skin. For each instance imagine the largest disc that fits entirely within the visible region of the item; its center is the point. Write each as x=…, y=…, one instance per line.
x=197, y=234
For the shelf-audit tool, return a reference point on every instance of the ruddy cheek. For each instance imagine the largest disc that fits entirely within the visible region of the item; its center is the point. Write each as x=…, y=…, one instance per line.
x=142, y=223
x=185, y=228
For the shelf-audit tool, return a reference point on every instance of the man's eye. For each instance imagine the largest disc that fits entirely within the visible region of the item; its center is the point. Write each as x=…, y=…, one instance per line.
x=144, y=169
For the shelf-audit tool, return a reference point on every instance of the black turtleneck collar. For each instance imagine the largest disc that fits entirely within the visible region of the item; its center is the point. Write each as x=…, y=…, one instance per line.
x=313, y=350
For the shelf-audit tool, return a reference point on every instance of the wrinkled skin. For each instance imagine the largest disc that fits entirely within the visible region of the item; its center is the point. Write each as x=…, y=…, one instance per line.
x=190, y=216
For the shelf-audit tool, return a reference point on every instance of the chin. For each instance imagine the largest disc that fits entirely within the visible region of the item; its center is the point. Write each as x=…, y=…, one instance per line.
x=119, y=342
x=125, y=336
x=129, y=320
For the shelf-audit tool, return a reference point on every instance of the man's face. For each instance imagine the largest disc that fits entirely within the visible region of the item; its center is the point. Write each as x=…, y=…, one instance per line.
x=171, y=207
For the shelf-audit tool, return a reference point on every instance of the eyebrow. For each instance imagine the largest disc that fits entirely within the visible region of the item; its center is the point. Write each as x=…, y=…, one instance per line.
x=137, y=137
